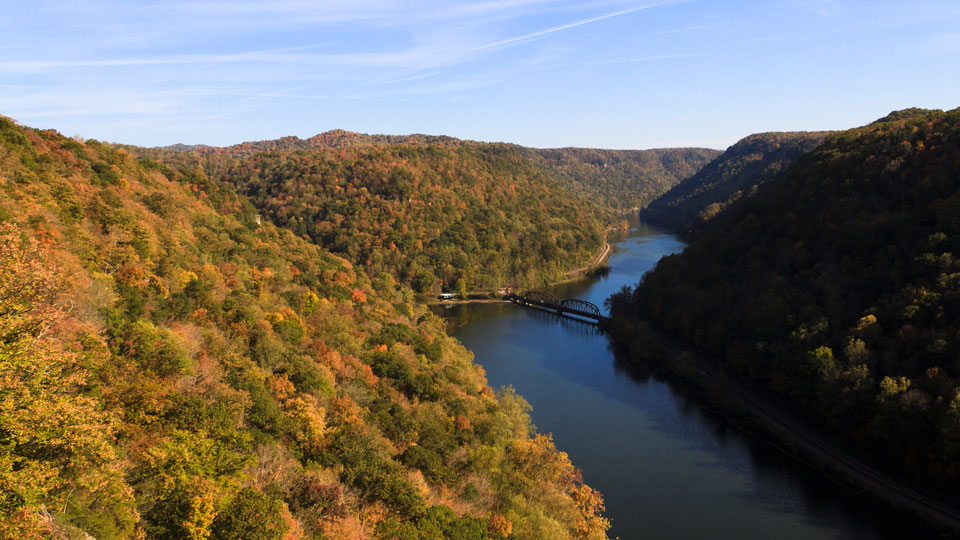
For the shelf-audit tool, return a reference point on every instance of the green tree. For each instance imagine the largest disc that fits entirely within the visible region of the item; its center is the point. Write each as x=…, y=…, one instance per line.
x=56, y=448
x=250, y=515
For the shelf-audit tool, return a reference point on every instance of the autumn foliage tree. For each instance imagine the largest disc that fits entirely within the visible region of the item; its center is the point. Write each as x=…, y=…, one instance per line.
x=172, y=367
x=57, y=455
x=837, y=286
x=435, y=211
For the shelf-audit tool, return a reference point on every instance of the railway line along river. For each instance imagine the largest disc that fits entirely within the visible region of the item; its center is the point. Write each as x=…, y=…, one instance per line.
x=668, y=467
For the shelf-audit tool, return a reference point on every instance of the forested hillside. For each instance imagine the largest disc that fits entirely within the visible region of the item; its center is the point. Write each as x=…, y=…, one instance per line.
x=438, y=212
x=839, y=288
x=336, y=138
x=430, y=215
x=623, y=180
x=170, y=368
x=731, y=177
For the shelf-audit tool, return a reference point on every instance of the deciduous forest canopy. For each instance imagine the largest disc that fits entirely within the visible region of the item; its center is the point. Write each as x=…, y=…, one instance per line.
x=733, y=176
x=836, y=286
x=201, y=342
x=172, y=368
x=222, y=341
x=436, y=210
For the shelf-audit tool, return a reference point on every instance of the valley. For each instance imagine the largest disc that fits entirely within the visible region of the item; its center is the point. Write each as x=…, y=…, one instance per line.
x=247, y=327
x=479, y=270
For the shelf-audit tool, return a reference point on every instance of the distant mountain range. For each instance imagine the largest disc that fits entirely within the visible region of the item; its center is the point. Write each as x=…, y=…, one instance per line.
x=438, y=212
x=623, y=180
x=225, y=342
x=735, y=175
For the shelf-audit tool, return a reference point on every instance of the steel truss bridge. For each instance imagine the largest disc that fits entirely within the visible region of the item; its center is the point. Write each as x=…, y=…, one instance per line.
x=572, y=308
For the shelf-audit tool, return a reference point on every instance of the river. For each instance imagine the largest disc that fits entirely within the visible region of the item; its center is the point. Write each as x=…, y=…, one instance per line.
x=667, y=467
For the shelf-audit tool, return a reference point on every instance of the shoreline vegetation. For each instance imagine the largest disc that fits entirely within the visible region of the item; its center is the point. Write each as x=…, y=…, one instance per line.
x=832, y=291
x=597, y=266
x=769, y=422
x=177, y=367
x=754, y=414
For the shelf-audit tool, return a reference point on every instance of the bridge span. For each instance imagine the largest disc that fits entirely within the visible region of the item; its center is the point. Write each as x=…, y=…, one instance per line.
x=571, y=308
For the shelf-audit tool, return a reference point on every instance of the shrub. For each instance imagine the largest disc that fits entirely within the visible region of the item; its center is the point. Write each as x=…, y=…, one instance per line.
x=438, y=523
x=428, y=461
x=250, y=515
x=156, y=349
x=314, y=495
x=378, y=479
x=105, y=175
x=184, y=512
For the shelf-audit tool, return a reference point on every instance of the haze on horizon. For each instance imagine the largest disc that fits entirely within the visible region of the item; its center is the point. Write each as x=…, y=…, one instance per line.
x=542, y=73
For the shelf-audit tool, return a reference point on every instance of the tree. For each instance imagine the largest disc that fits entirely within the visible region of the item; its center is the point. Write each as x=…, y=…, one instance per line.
x=251, y=515
x=56, y=448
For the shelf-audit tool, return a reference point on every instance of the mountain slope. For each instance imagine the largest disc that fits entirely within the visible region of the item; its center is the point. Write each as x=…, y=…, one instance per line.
x=623, y=180
x=171, y=368
x=837, y=289
x=734, y=175
x=336, y=138
x=618, y=179
x=438, y=212
x=431, y=215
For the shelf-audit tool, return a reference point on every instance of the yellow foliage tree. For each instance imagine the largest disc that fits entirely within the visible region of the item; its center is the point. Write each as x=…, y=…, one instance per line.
x=56, y=451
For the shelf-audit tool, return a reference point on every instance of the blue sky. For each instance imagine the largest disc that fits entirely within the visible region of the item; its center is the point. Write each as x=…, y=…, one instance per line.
x=545, y=73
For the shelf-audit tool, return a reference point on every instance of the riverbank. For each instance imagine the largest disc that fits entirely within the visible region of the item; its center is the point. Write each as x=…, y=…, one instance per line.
x=467, y=301
x=597, y=265
x=668, y=466
x=758, y=416
x=596, y=262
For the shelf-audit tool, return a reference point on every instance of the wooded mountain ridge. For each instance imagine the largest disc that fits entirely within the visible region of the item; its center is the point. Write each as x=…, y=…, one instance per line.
x=837, y=287
x=441, y=213
x=623, y=180
x=171, y=367
x=735, y=175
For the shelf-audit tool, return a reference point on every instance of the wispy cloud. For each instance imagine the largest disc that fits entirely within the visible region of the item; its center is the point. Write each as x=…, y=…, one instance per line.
x=683, y=29
x=828, y=8
x=268, y=95
x=385, y=13
x=121, y=66
x=23, y=86
x=824, y=8
x=414, y=77
x=942, y=44
x=653, y=58
x=270, y=55
x=568, y=26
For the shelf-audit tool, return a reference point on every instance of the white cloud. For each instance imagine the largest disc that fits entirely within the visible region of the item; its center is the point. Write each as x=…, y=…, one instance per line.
x=271, y=55
x=683, y=29
x=568, y=26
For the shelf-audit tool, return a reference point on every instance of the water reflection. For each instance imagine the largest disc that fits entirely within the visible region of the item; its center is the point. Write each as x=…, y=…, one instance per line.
x=574, y=327
x=669, y=466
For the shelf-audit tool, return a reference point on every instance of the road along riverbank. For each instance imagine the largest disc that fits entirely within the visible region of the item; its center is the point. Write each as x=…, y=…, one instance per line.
x=641, y=342
x=669, y=466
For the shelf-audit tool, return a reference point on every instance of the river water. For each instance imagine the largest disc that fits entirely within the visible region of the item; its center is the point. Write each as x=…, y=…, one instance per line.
x=667, y=467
